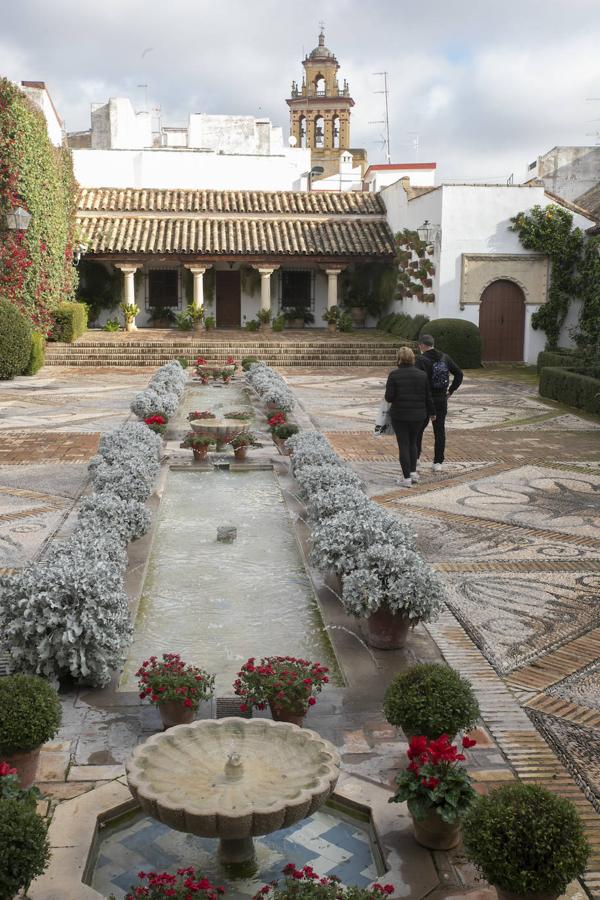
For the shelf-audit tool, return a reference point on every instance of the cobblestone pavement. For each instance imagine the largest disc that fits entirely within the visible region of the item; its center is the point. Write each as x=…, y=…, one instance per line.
x=518, y=496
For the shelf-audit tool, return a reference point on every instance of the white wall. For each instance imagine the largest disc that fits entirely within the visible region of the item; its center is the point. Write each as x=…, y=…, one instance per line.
x=234, y=134
x=381, y=178
x=181, y=169
x=41, y=98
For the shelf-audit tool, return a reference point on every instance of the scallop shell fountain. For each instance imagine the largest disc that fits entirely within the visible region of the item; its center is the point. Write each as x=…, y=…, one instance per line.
x=233, y=779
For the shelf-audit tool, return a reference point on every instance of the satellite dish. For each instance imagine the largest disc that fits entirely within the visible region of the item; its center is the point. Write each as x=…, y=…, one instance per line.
x=292, y=140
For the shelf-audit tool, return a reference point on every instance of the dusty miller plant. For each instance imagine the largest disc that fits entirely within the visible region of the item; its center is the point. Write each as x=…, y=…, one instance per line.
x=132, y=478
x=340, y=540
x=128, y=518
x=314, y=477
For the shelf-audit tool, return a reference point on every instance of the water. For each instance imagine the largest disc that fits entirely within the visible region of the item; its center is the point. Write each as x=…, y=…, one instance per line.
x=218, y=604
x=217, y=397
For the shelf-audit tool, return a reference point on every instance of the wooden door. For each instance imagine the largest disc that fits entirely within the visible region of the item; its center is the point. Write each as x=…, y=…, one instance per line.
x=229, y=299
x=502, y=322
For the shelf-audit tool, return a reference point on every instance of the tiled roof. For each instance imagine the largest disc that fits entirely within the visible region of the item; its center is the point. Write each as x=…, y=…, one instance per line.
x=237, y=236
x=347, y=203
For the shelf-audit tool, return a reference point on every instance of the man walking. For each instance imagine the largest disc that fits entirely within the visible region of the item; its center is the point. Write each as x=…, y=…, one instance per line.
x=438, y=367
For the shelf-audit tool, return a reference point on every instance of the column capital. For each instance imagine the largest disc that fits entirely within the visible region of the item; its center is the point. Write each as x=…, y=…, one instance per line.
x=334, y=270
x=128, y=268
x=197, y=269
x=265, y=270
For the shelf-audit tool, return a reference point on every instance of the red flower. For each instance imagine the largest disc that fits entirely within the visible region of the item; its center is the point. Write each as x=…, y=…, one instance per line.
x=5, y=769
x=311, y=701
x=188, y=703
x=468, y=742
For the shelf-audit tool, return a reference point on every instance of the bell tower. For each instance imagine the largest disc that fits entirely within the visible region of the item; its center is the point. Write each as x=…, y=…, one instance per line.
x=320, y=110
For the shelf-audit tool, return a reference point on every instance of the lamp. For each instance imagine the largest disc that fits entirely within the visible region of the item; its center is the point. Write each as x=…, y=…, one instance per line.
x=78, y=250
x=427, y=232
x=18, y=219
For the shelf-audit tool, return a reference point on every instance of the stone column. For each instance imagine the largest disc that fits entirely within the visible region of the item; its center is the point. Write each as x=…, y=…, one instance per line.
x=332, y=286
x=129, y=270
x=198, y=273
x=265, y=285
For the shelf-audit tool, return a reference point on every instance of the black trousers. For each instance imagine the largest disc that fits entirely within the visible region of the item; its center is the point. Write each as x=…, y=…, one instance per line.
x=439, y=430
x=406, y=435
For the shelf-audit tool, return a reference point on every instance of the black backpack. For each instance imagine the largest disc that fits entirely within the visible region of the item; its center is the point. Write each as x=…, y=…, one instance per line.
x=440, y=376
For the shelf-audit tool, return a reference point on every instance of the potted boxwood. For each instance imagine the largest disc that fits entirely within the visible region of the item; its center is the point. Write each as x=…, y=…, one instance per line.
x=242, y=442
x=436, y=789
x=25, y=847
x=29, y=716
x=431, y=699
x=176, y=688
x=331, y=316
x=526, y=841
x=298, y=316
x=284, y=683
x=199, y=444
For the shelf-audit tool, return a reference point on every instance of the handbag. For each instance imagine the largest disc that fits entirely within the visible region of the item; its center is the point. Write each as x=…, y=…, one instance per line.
x=383, y=420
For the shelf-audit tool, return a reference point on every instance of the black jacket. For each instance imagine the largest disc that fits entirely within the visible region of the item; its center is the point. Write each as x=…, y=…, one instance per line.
x=407, y=389
x=425, y=362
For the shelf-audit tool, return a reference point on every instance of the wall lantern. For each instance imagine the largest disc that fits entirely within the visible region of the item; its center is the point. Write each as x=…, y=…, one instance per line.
x=18, y=219
x=78, y=250
x=428, y=233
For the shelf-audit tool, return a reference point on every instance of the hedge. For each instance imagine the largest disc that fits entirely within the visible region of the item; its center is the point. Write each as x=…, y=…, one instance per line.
x=402, y=325
x=571, y=388
x=37, y=356
x=458, y=338
x=15, y=341
x=70, y=322
x=559, y=357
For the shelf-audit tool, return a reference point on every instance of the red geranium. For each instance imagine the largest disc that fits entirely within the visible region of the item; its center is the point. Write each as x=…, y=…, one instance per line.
x=277, y=419
x=171, y=679
x=306, y=884
x=185, y=884
x=286, y=682
x=155, y=420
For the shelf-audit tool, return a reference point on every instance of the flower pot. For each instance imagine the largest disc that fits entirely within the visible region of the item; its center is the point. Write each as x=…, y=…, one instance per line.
x=264, y=326
x=540, y=895
x=435, y=834
x=331, y=327
x=295, y=717
x=200, y=454
x=174, y=713
x=297, y=323
x=281, y=446
x=26, y=765
x=240, y=452
x=130, y=326
x=358, y=314
x=198, y=327
x=271, y=407
x=387, y=630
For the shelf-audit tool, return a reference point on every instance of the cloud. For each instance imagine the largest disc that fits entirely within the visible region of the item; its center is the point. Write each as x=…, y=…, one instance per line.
x=486, y=87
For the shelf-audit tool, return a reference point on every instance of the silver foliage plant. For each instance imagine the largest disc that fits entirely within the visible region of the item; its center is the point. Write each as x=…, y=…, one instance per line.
x=337, y=497
x=107, y=511
x=163, y=394
x=270, y=386
x=132, y=477
x=340, y=539
x=314, y=477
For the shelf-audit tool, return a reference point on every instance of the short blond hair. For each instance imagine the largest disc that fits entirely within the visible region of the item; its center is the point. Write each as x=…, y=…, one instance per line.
x=405, y=357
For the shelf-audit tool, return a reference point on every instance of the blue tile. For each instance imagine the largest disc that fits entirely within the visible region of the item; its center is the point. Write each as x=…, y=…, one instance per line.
x=342, y=835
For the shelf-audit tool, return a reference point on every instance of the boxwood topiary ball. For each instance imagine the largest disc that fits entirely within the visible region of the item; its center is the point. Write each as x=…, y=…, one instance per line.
x=29, y=713
x=25, y=847
x=15, y=341
x=526, y=840
x=431, y=699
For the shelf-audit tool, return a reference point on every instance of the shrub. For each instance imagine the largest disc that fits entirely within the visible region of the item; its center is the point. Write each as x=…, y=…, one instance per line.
x=36, y=357
x=130, y=479
x=29, y=713
x=339, y=539
x=571, y=388
x=525, y=839
x=559, y=357
x=247, y=361
x=25, y=847
x=15, y=341
x=458, y=338
x=106, y=511
x=70, y=322
x=402, y=325
x=431, y=699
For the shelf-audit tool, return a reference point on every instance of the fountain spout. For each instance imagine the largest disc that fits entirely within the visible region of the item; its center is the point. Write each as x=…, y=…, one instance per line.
x=234, y=769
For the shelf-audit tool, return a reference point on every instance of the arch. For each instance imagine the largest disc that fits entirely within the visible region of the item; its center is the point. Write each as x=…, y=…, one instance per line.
x=302, y=142
x=335, y=129
x=320, y=85
x=502, y=321
x=319, y=131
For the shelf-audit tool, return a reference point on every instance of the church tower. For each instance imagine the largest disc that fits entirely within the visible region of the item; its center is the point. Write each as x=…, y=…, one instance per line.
x=320, y=110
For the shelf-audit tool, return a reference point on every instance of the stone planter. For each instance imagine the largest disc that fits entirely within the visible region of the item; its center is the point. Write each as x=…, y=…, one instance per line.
x=435, y=834
x=130, y=326
x=240, y=452
x=295, y=717
x=174, y=713
x=508, y=895
x=198, y=327
x=201, y=454
x=331, y=327
x=387, y=630
x=358, y=314
x=296, y=323
x=26, y=765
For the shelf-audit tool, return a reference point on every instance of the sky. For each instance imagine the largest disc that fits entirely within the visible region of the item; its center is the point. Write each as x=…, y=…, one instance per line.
x=481, y=88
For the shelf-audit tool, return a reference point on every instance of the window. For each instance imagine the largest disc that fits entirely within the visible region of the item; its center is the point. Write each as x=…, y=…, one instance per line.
x=296, y=288
x=163, y=288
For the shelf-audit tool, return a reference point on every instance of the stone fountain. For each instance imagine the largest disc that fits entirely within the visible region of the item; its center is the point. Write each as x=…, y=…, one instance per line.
x=233, y=779
x=222, y=430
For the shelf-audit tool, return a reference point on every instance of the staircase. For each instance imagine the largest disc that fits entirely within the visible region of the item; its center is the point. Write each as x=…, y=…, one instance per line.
x=315, y=354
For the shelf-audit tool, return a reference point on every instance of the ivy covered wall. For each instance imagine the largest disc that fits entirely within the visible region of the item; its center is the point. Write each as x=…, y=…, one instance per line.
x=36, y=266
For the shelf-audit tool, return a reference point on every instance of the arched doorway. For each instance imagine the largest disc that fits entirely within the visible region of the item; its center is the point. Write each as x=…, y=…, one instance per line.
x=502, y=322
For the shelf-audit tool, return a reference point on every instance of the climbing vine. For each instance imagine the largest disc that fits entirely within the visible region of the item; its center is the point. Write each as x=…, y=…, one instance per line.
x=415, y=269
x=588, y=333
x=550, y=230
x=36, y=266
x=368, y=285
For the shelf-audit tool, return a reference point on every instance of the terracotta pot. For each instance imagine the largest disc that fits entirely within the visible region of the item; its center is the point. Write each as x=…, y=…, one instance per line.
x=26, y=765
x=198, y=327
x=240, y=452
x=387, y=630
x=200, y=455
x=271, y=407
x=508, y=895
x=358, y=314
x=281, y=446
x=435, y=834
x=297, y=323
x=174, y=713
x=295, y=717
x=332, y=327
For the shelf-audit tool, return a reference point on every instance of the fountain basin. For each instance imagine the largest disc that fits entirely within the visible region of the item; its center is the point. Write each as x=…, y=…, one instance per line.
x=185, y=777
x=222, y=430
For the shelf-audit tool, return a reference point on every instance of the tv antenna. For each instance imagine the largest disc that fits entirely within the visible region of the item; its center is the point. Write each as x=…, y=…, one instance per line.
x=385, y=121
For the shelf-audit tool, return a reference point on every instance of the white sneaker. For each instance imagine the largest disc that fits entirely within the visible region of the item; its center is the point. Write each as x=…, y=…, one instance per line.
x=436, y=467
x=405, y=482
x=414, y=477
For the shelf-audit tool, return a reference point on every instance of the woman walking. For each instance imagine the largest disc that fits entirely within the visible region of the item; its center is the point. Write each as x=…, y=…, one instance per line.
x=408, y=391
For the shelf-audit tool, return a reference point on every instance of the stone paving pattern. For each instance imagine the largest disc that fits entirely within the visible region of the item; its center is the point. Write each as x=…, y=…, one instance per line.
x=66, y=410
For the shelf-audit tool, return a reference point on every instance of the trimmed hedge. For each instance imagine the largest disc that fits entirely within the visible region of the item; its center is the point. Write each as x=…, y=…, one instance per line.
x=37, y=356
x=70, y=321
x=571, y=388
x=15, y=341
x=25, y=846
x=458, y=338
x=402, y=325
x=560, y=357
